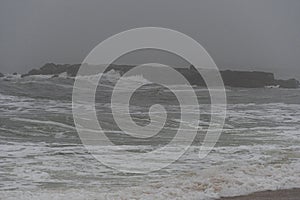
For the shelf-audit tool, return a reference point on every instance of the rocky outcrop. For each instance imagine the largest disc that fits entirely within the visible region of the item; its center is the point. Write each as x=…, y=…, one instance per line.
x=54, y=69
x=72, y=70
x=246, y=79
x=192, y=75
x=1, y=75
x=291, y=83
x=253, y=79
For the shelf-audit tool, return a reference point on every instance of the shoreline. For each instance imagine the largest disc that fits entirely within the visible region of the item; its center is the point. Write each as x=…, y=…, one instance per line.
x=286, y=194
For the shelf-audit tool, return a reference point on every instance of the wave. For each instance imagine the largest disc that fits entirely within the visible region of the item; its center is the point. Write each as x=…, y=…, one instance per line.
x=232, y=179
x=43, y=122
x=228, y=181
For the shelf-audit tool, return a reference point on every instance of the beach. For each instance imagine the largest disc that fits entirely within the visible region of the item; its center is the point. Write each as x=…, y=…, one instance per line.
x=291, y=194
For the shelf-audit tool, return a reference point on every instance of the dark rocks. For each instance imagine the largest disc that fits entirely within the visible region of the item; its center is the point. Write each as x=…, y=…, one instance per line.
x=192, y=75
x=51, y=68
x=1, y=75
x=247, y=79
x=254, y=79
x=31, y=72
x=291, y=83
x=55, y=76
x=244, y=79
x=72, y=70
x=54, y=69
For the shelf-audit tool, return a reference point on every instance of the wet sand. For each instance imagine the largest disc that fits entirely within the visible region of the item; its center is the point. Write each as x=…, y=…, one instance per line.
x=292, y=194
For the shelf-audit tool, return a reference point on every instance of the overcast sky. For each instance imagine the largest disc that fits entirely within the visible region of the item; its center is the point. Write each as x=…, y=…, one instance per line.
x=238, y=34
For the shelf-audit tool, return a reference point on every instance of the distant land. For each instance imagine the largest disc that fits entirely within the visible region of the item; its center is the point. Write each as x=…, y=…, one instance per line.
x=245, y=79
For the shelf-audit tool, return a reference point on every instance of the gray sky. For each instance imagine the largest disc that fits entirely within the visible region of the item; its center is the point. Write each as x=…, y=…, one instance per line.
x=238, y=34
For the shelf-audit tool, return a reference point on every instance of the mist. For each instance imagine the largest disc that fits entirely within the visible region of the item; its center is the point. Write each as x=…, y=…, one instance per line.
x=238, y=34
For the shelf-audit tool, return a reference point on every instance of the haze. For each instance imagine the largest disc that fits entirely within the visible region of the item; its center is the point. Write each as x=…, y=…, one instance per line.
x=239, y=34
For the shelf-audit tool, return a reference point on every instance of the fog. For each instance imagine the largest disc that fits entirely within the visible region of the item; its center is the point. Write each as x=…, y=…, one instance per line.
x=238, y=34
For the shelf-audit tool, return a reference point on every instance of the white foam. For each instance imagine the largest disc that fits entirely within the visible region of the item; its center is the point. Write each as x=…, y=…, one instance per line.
x=63, y=75
x=38, y=77
x=212, y=183
x=43, y=122
x=259, y=151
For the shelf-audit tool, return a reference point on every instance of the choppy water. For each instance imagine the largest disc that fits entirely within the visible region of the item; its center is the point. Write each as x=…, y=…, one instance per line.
x=42, y=157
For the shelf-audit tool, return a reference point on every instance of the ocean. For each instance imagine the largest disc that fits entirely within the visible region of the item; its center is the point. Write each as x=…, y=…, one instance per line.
x=42, y=156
